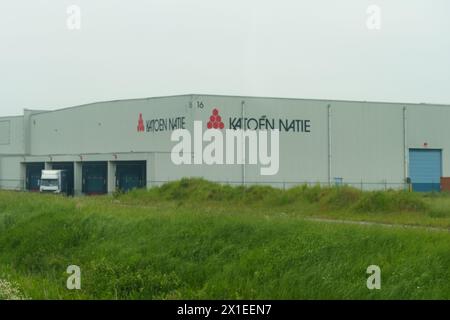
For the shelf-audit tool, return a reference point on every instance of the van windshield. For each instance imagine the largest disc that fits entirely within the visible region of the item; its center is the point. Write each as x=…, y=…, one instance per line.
x=49, y=182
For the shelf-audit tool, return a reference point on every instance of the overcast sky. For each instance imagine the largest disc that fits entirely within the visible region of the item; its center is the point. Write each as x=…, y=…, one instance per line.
x=285, y=48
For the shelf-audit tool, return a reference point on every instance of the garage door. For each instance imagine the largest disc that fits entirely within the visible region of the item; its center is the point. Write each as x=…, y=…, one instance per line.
x=425, y=169
x=131, y=175
x=69, y=168
x=33, y=175
x=94, y=178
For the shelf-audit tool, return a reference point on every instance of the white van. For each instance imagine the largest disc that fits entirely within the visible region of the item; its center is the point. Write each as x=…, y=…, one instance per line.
x=53, y=181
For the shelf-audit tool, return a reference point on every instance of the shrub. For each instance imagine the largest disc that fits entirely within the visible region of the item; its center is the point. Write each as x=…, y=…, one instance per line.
x=374, y=201
x=409, y=201
x=390, y=201
x=312, y=194
x=259, y=193
x=342, y=197
x=194, y=190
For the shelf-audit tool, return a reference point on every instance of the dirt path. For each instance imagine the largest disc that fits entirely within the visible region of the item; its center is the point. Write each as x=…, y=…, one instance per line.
x=369, y=223
x=341, y=221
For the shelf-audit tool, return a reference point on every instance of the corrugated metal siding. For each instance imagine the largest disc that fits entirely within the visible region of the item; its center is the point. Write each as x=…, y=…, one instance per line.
x=425, y=169
x=5, y=128
x=33, y=176
x=95, y=177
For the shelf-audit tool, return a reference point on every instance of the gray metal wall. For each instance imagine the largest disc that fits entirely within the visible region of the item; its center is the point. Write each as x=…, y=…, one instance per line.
x=12, y=135
x=364, y=143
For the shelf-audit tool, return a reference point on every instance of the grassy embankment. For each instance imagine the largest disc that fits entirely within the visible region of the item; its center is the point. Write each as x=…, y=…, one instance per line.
x=194, y=239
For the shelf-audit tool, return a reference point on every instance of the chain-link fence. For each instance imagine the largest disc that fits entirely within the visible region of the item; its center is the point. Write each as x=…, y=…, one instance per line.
x=15, y=184
x=361, y=185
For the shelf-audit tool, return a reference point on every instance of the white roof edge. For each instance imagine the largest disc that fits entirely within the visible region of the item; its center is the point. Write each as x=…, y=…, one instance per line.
x=192, y=95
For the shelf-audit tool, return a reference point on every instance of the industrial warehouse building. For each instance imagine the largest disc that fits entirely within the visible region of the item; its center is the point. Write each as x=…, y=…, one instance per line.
x=127, y=144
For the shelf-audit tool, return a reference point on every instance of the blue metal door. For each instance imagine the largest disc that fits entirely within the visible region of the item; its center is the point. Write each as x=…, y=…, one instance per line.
x=95, y=175
x=131, y=175
x=425, y=169
x=33, y=175
x=69, y=168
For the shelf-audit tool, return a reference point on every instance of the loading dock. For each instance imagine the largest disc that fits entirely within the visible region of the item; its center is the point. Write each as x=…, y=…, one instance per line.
x=94, y=178
x=425, y=169
x=33, y=175
x=131, y=175
x=69, y=168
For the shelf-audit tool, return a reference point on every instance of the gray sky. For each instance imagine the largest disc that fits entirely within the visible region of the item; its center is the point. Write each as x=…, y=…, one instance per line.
x=286, y=48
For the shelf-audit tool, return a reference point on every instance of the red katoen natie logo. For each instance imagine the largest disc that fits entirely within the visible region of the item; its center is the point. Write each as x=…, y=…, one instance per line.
x=140, y=127
x=215, y=121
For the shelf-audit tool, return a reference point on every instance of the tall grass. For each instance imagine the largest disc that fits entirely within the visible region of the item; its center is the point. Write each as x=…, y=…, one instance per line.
x=327, y=198
x=193, y=239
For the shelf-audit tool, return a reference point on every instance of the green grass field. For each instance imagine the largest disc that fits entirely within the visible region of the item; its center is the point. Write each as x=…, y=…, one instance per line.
x=193, y=239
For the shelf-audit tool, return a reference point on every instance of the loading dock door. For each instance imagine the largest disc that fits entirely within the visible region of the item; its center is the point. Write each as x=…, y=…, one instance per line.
x=425, y=169
x=95, y=175
x=69, y=168
x=33, y=175
x=131, y=175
